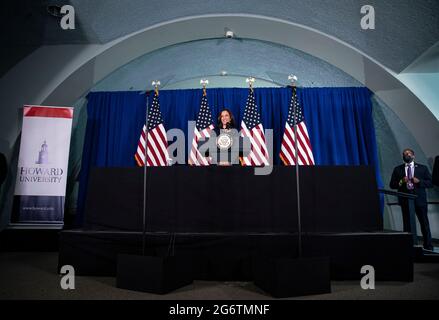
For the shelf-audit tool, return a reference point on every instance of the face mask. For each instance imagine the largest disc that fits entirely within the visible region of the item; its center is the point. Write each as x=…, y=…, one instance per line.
x=407, y=159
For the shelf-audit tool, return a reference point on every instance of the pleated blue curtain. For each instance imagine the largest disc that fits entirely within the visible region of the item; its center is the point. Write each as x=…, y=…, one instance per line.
x=339, y=122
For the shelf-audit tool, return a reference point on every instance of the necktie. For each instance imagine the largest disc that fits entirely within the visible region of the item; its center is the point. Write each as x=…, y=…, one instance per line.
x=410, y=185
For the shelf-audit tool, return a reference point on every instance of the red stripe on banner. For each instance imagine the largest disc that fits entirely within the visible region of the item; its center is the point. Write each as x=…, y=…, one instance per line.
x=48, y=112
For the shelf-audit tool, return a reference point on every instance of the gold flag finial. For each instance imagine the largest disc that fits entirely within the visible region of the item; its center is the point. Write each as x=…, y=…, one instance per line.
x=204, y=83
x=250, y=81
x=156, y=85
x=293, y=80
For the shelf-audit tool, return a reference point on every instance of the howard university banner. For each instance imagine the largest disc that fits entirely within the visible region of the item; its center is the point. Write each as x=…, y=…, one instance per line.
x=42, y=165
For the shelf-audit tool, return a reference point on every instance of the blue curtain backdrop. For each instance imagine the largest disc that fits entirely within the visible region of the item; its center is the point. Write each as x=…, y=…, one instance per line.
x=339, y=122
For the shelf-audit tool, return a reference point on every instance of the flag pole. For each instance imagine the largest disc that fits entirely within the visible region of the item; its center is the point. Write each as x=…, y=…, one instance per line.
x=293, y=80
x=156, y=84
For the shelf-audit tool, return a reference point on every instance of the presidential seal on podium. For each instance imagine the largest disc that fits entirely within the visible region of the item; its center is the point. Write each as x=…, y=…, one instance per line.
x=224, y=141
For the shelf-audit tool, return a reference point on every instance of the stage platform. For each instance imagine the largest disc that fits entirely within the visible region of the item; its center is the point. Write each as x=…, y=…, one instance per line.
x=225, y=218
x=233, y=199
x=229, y=257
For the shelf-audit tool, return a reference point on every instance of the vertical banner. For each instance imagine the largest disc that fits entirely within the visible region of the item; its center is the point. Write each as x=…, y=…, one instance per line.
x=42, y=165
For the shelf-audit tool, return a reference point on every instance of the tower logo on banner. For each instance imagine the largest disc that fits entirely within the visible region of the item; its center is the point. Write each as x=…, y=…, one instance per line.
x=42, y=165
x=43, y=154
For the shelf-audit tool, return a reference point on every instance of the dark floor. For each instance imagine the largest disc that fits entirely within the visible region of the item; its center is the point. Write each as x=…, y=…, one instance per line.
x=33, y=276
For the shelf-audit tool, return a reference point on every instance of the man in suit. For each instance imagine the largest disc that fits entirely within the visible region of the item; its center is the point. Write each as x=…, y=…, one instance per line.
x=412, y=177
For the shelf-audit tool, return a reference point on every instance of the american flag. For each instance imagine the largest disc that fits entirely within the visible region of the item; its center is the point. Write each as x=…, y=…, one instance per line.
x=288, y=148
x=157, y=149
x=204, y=126
x=251, y=127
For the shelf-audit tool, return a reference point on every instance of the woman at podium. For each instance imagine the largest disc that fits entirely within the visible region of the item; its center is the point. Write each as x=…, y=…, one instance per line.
x=225, y=143
x=227, y=140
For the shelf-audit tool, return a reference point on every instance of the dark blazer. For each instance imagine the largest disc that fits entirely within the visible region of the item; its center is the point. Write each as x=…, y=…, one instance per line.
x=422, y=173
x=436, y=171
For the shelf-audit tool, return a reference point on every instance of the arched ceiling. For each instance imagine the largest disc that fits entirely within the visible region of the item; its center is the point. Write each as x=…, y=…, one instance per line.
x=404, y=28
x=269, y=63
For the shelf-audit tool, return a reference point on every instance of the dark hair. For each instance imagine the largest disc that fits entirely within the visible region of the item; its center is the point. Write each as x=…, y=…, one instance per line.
x=408, y=149
x=232, y=119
